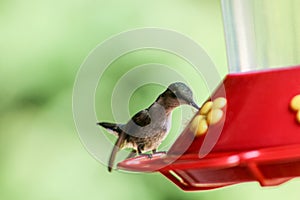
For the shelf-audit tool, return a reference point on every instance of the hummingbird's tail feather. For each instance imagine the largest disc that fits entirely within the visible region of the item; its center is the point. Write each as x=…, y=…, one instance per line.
x=111, y=127
x=117, y=147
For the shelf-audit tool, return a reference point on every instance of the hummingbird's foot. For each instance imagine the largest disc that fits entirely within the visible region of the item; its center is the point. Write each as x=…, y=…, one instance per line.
x=132, y=154
x=149, y=155
x=158, y=152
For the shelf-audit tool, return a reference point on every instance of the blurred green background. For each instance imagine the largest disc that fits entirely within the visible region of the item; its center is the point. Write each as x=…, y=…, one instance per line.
x=43, y=44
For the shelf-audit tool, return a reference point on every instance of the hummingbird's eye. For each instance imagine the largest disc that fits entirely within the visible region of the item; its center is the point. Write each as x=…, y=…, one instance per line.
x=173, y=95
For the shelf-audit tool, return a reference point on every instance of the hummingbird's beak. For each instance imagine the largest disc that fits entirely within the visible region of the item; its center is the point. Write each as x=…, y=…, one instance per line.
x=194, y=105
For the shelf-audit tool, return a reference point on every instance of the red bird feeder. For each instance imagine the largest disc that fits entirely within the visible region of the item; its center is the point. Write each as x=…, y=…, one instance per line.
x=250, y=128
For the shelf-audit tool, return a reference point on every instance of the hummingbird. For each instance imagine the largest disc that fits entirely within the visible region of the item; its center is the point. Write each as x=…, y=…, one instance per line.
x=145, y=131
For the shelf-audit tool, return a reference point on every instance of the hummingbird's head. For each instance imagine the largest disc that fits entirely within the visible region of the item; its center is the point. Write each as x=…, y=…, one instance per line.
x=177, y=94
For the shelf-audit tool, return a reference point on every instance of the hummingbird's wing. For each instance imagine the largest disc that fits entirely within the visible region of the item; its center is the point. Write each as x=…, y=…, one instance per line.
x=142, y=118
x=135, y=126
